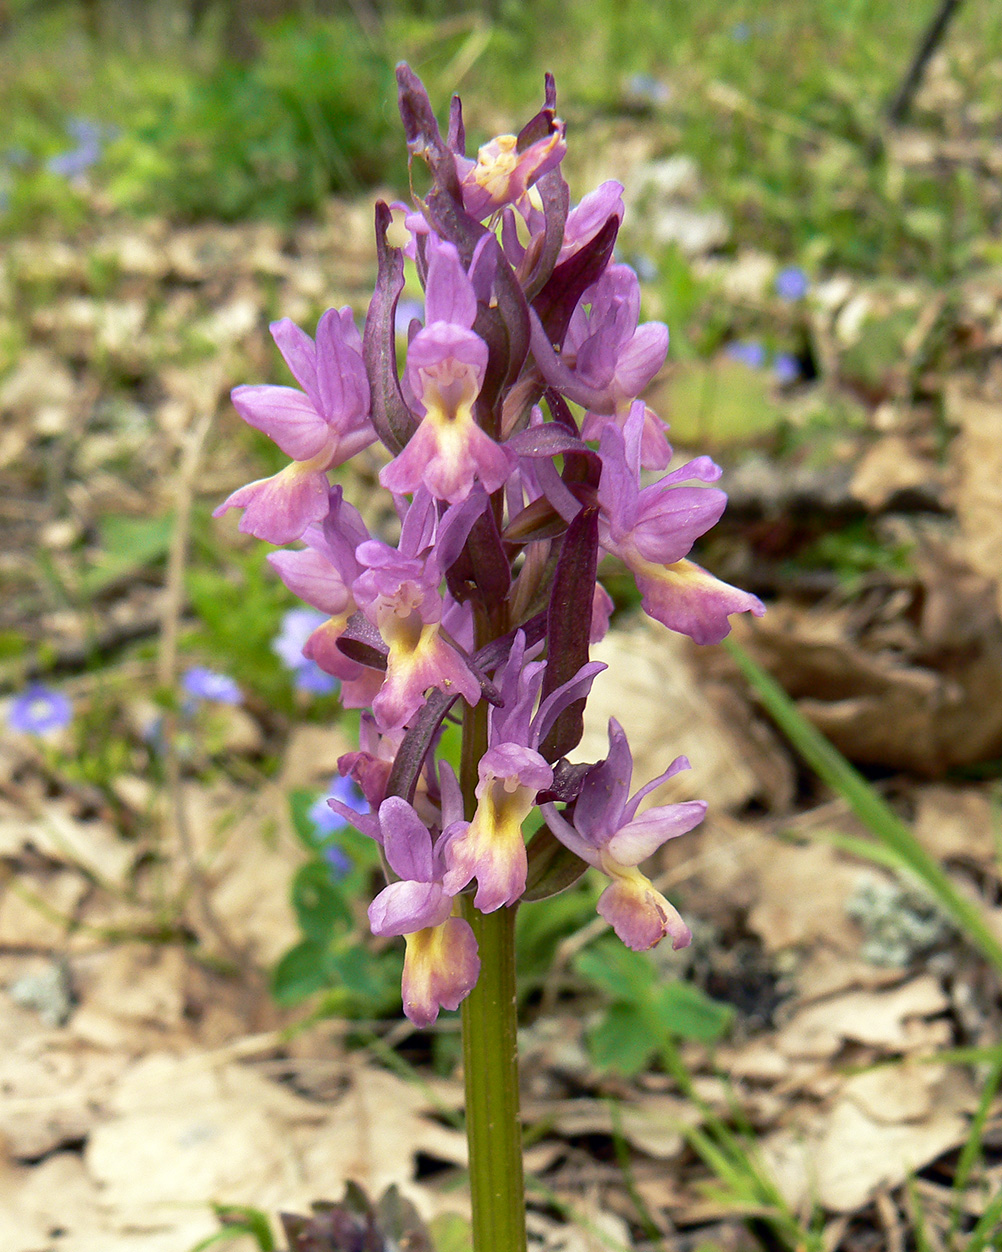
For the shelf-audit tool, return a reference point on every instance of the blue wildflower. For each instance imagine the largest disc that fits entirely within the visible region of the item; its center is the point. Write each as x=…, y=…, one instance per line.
x=297, y=626
x=786, y=368
x=325, y=820
x=747, y=352
x=407, y=310
x=792, y=283
x=91, y=137
x=206, y=684
x=647, y=87
x=309, y=677
x=39, y=711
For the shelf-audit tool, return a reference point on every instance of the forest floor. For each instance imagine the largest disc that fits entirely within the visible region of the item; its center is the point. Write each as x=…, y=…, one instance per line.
x=146, y=1071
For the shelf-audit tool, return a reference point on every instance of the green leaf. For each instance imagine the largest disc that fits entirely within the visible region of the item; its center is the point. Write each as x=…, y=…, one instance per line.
x=450, y=1232
x=300, y=972
x=239, y=1220
x=623, y=975
x=371, y=978
x=683, y=1009
x=318, y=902
x=127, y=545
x=624, y=1040
x=552, y=867
x=301, y=800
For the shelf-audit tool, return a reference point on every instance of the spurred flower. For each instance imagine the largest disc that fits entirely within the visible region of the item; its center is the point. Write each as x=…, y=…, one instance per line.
x=441, y=965
x=608, y=833
x=321, y=426
x=512, y=772
x=446, y=362
x=322, y=574
x=652, y=529
x=399, y=594
x=501, y=174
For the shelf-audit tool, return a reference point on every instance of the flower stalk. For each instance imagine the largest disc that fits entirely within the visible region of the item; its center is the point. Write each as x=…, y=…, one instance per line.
x=508, y=496
x=490, y=1069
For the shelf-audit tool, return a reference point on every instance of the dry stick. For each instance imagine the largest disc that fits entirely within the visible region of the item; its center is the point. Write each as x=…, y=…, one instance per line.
x=176, y=813
x=901, y=103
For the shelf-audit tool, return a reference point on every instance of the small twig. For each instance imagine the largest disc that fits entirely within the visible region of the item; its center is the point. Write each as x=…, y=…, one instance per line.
x=901, y=102
x=176, y=812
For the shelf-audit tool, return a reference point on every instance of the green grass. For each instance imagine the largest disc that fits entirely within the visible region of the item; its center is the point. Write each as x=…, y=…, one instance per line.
x=776, y=106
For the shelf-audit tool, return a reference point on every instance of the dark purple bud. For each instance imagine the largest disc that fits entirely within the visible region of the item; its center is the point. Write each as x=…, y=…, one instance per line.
x=391, y=417
x=457, y=131
x=555, y=194
x=570, y=280
x=482, y=569
x=568, y=623
x=552, y=867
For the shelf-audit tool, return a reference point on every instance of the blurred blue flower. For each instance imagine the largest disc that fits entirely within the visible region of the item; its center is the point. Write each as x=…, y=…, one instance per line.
x=338, y=861
x=792, y=283
x=647, y=87
x=327, y=823
x=297, y=626
x=309, y=677
x=645, y=268
x=747, y=352
x=786, y=367
x=91, y=137
x=406, y=311
x=740, y=32
x=207, y=684
x=39, y=711
x=325, y=820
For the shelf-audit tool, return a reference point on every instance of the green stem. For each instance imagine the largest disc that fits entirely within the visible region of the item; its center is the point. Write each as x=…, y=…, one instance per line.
x=490, y=1045
x=490, y=1064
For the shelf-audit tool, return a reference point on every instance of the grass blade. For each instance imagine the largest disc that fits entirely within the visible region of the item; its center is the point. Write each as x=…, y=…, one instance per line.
x=876, y=814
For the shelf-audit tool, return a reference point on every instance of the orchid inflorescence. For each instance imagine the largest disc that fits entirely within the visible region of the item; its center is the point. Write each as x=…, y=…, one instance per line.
x=506, y=500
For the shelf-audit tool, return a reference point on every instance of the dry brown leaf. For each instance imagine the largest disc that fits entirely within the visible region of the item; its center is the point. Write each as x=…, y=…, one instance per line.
x=94, y=846
x=311, y=756
x=130, y=984
x=841, y=1158
x=37, y=910
x=904, y=1092
x=185, y=1132
x=652, y=1125
x=890, y=467
x=239, y=843
x=878, y=708
x=652, y=689
x=954, y=823
x=51, y=1090
x=897, y=1020
x=977, y=460
x=802, y=893
x=373, y=1133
